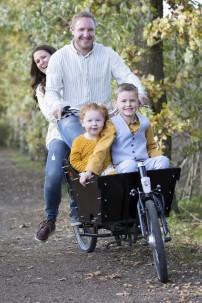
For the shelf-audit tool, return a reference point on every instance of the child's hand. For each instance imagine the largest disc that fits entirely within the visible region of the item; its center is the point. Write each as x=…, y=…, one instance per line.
x=84, y=176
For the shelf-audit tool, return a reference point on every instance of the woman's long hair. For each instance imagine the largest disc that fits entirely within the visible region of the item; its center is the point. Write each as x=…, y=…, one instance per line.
x=37, y=77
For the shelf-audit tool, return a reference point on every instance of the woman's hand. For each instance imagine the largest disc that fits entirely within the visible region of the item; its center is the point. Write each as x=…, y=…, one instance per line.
x=57, y=113
x=84, y=176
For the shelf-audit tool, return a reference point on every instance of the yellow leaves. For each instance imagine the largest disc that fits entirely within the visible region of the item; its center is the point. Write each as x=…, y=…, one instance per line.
x=181, y=76
x=184, y=24
x=98, y=274
x=193, y=45
x=110, y=277
x=150, y=78
x=180, y=24
x=124, y=293
x=144, y=9
x=159, y=28
x=62, y=279
x=188, y=56
x=165, y=26
x=188, y=22
x=93, y=274
x=155, y=88
x=166, y=123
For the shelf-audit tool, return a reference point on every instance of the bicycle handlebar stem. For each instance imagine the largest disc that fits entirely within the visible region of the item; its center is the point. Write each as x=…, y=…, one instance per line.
x=146, y=183
x=142, y=169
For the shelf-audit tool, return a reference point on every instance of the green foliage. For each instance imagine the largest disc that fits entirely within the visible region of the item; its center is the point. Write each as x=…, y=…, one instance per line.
x=24, y=162
x=132, y=29
x=5, y=131
x=187, y=225
x=35, y=137
x=48, y=22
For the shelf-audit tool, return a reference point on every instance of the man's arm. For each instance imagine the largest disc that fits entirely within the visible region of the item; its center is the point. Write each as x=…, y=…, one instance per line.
x=122, y=73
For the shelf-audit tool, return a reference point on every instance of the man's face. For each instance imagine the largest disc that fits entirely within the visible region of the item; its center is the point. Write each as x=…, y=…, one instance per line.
x=83, y=32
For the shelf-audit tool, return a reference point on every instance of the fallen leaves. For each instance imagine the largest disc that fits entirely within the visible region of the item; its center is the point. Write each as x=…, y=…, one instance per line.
x=101, y=276
x=124, y=293
x=62, y=279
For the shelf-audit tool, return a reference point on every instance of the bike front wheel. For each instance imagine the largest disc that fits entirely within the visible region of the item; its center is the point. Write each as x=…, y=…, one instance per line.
x=155, y=240
x=86, y=242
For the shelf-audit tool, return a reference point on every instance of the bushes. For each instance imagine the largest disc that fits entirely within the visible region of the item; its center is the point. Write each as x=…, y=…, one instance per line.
x=35, y=137
x=5, y=132
x=186, y=226
x=29, y=128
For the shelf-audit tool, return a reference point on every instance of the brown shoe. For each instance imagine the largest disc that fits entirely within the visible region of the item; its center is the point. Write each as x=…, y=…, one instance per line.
x=47, y=228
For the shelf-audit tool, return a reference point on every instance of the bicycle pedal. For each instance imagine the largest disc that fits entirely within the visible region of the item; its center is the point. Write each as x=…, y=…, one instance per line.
x=167, y=239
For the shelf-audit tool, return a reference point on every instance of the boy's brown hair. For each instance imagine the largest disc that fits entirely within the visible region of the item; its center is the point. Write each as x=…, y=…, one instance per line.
x=96, y=107
x=125, y=87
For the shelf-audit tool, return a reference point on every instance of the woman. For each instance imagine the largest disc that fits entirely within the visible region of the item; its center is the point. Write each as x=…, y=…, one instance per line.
x=57, y=148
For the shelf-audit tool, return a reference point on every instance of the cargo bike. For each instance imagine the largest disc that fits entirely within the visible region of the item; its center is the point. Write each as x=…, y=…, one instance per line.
x=126, y=208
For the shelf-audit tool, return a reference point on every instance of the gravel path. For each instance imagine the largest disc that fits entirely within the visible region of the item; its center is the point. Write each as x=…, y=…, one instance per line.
x=58, y=272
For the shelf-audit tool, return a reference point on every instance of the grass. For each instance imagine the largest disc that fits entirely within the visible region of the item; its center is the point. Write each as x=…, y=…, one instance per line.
x=183, y=254
x=24, y=162
x=187, y=226
x=34, y=166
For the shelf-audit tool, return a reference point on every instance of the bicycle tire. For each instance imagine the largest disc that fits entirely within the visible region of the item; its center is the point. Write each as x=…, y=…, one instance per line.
x=155, y=240
x=86, y=243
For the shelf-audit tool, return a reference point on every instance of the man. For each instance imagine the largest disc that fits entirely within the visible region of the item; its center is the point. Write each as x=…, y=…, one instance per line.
x=83, y=71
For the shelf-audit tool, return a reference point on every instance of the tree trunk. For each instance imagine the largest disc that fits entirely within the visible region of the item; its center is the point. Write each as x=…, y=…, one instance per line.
x=153, y=63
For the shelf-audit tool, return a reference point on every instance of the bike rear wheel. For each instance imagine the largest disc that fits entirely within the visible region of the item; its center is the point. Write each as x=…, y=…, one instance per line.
x=86, y=243
x=155, y=240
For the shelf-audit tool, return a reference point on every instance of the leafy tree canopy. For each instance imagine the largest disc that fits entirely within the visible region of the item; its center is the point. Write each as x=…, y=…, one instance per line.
x=132, y=28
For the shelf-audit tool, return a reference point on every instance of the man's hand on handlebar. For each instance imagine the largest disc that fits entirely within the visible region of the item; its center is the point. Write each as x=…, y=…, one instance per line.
x=144, y=101
x=84, y=176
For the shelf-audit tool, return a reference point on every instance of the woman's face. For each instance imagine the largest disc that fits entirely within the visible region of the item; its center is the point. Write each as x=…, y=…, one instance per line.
x=41, y=58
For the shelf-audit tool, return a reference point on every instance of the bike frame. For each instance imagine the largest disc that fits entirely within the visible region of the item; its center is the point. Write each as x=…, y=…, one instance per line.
x=147, y=194
x=141, y=192
x=127, y=207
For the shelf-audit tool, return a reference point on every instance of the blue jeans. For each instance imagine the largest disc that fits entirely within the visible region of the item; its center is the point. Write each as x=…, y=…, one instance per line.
x=70, y=128
x=54, y=177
